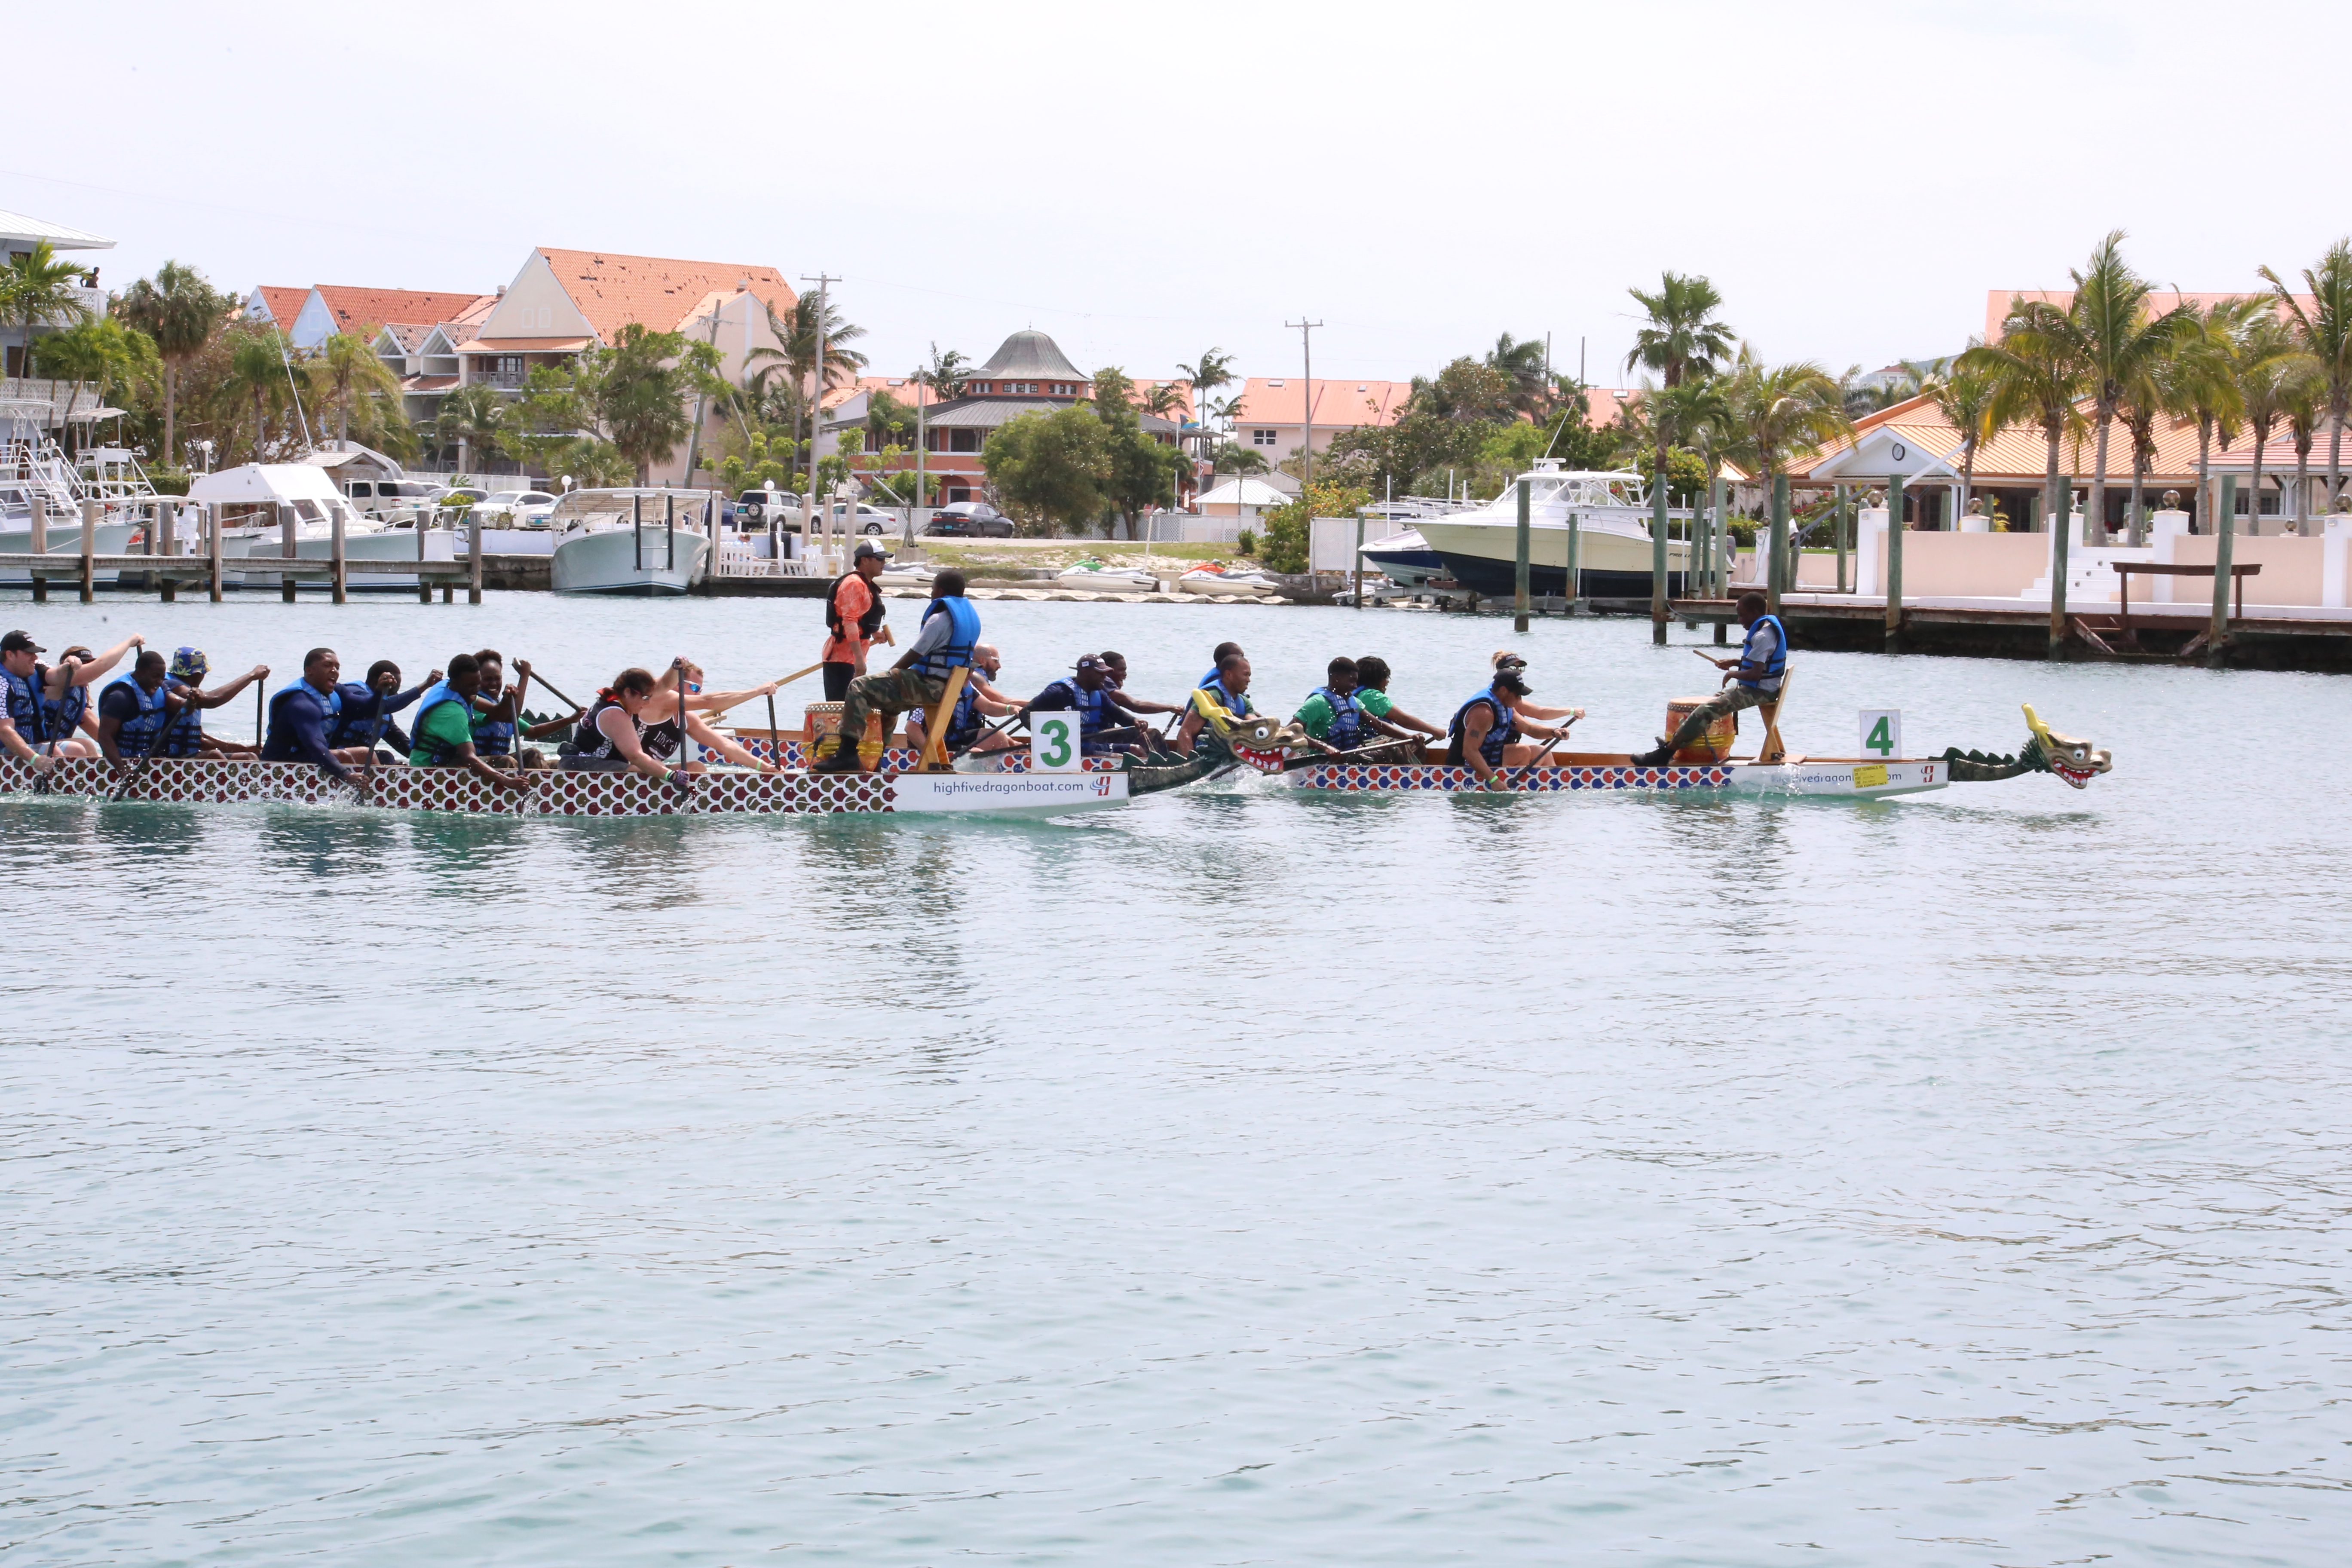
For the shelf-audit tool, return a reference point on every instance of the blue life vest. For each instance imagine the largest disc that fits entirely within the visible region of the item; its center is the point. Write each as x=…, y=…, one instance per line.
x=493, y=736
x=1778, y=663
x=186, y=737
x=1347, y=731
x=138, y=731
x=963, y=724
x=1094, y=710
x=429, y=753
x=26, y=709
x=360, y=723
x=963, y=635
x=1502, y=734
x=1238, y=706
x=327, y=707
x=65, y=713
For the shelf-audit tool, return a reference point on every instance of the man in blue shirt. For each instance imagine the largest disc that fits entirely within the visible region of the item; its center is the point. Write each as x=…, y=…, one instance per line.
x=1752, y=680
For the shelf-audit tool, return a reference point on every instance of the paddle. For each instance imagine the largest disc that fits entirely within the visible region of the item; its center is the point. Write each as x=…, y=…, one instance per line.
x=1313, y=758
x=1006, y=722
x=1524, y=767
x=153, y=745
x=775, y=745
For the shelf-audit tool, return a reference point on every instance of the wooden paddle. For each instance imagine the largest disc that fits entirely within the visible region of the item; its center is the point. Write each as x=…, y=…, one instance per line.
x=1526, y=766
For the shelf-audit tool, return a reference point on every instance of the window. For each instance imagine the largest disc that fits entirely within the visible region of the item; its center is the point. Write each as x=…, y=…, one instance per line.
x=1261, y=437
x=979, y=386
x=963, y=440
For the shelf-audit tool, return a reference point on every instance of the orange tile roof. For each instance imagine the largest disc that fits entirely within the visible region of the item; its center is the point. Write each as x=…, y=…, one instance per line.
x=1338, y=403
x=358, y=310
x=2017, y=455
x=284, y=304
x=662, y=294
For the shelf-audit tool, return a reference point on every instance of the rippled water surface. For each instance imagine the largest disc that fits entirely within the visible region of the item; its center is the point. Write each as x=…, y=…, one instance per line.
x=1239, y=1177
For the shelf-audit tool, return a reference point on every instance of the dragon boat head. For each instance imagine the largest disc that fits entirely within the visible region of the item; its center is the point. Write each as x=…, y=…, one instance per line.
x=2076, y=761
x=1258, y=740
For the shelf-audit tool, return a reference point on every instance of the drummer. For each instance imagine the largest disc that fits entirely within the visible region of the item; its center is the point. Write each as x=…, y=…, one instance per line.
x=1752, y=680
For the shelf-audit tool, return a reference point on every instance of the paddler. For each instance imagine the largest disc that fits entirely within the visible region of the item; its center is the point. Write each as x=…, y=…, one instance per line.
x=853, y=618
x=664, y=736
x=1373, y=677
x=1338, y=717
x=1483, y=729
x=611, y=736
x=1136, y=705
x=305, y=712
x=949, y=634
x=1225, y=650
x=1226, y=688
x=497, y=709
x=187, y=737
x=45, y=704
x=979, y=701
x=138, y=709
x=365, y=716
x=1752, y=680
x=1087, y=693
x=445, y=726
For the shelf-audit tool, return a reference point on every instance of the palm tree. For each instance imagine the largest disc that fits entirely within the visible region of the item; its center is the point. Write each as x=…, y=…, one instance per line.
x=36, y=288
x=799, y=336
x=1682, y=334
x=256, y=371
x=1776, y=413
x=476, y=418
x=2305, y=408
x=350, y=371
x=1166, y=399
x=2119, y=343
x=2201, y=382
x=1972, y=401
x=2039, y=371
x=181, y=312
x=1213, y=370
x=102, y=353
x=2325, y=332
x=1522, y=365
x=2270, y=369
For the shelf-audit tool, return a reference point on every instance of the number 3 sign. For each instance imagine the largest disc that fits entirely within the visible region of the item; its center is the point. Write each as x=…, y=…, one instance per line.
x=1882, y=732
x=1053, y=742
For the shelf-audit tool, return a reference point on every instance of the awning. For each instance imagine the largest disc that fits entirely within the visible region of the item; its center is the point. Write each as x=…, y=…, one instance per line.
x=523, y=345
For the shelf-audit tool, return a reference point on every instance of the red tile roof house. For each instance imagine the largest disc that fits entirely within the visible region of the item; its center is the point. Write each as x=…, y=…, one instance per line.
x=1028, y=374
x=563, y=301
x=308, y=317
x=1272, y=416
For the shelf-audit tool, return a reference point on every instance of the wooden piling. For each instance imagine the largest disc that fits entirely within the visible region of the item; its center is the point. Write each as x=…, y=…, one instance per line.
x=424, y=584
x=40, y=546
x=92, y=510
x=473, y=557
x=1575, y=563
x=1519, y=565
x=1776, y=566
x=2225, y=533
x=1895, y=564
x=337, y=554
x=288, y=549
x=1658, y=557
x=212, y=521
x=167, y=531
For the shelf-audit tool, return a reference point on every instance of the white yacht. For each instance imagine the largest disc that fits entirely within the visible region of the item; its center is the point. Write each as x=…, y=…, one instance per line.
x=1480, y=548
x=257, y=533
x=643, y=541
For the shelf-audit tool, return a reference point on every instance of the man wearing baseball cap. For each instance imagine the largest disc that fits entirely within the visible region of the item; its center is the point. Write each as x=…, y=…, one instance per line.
x=44, y=704
x=852, y=620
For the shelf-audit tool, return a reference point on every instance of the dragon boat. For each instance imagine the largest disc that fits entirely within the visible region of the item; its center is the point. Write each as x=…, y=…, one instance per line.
x=1404, y=767
x=1000, y=786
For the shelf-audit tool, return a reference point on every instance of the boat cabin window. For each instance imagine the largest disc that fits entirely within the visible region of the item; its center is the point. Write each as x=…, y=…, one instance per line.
x=309, y=511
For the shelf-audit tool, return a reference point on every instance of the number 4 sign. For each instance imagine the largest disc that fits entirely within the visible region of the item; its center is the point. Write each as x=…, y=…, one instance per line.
x=1053, y=742
x=1882, y=732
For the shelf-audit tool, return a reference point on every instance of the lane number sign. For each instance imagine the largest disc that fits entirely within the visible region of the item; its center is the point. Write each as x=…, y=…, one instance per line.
x=1882, y=732
x=1053, y=742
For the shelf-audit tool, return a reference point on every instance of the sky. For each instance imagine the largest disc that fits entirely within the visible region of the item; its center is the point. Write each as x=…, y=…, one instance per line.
x=1148, y=183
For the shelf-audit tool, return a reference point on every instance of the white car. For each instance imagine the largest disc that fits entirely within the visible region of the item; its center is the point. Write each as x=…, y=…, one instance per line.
x=519, y=508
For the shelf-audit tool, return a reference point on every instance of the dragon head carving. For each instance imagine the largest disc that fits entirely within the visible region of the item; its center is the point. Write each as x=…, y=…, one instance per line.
x=1258, y=739
x=2076, y=761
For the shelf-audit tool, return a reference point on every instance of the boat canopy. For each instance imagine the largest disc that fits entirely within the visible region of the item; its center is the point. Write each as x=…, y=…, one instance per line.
x=259, y=484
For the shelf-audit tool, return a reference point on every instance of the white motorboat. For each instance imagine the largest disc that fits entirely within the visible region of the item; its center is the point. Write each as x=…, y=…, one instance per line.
x=1102, y=577
x=63, y=540
x=1216, y=577
x=310, y=494
x=1480, y=548
x=649, y=542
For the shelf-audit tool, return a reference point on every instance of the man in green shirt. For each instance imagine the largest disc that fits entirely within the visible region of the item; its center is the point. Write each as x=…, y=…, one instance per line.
x=1338, y=717
x=445, y=726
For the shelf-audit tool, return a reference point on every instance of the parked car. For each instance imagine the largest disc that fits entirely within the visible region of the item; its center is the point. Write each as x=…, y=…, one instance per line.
x=970, y=520
x=382, y=498
x=519, y=508
x=868, y=520
x=752, y=507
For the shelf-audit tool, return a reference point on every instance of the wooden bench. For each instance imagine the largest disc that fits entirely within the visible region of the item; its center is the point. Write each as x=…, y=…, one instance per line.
x=2238, y=573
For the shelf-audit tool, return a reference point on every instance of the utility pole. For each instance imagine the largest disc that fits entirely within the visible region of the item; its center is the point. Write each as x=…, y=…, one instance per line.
x=816, y=399
x=1307, y=353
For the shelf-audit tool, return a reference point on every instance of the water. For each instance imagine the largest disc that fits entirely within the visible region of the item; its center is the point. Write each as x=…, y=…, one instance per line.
x=1234, y=1178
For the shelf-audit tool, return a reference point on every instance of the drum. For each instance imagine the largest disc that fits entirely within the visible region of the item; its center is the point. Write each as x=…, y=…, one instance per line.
x=823, y=720
x=1711, y=745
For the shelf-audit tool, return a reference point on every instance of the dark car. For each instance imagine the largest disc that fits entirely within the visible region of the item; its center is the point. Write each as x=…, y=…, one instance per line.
x=970, y=520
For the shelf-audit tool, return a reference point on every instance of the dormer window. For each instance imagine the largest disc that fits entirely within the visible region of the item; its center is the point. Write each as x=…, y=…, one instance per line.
x=1273, y=384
